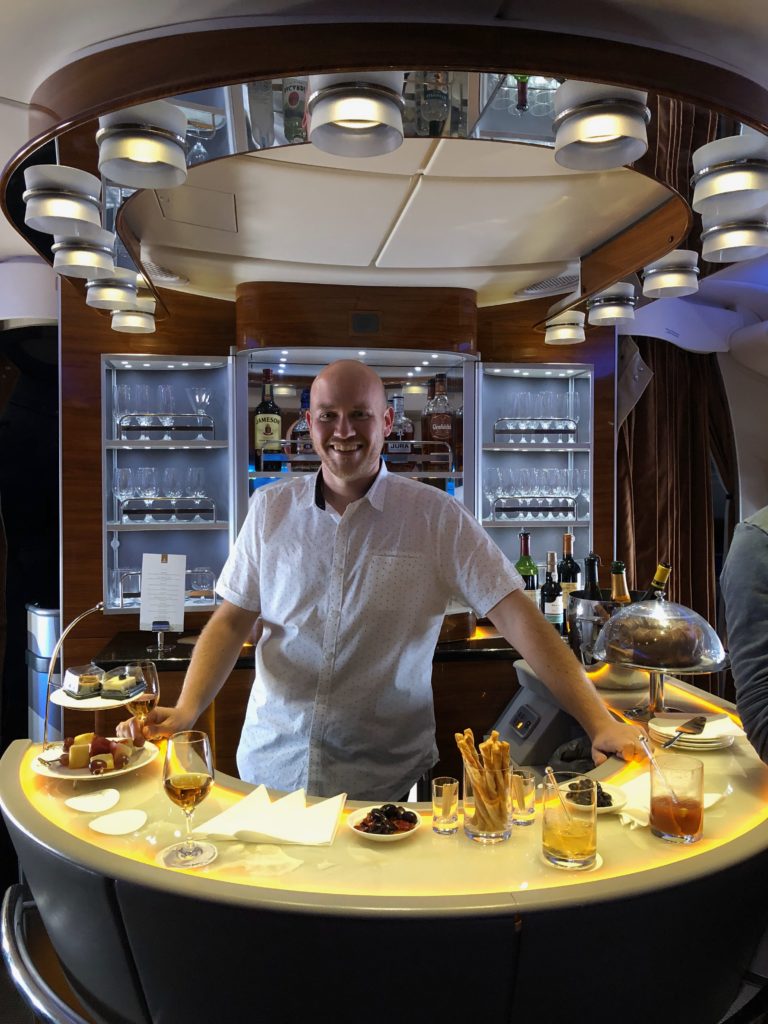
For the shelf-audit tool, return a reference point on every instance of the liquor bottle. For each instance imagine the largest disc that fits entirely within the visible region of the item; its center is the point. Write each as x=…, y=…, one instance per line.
x=527, y=568
x=592, y=582
x=552, y=595
x=568, y=570
x=432, y=102
x=426, y=410
x=659, y=582
x=439, y=427
x=261, y=115
x=302, y=448
x=619, y=588
x=458, y=439
x=399, y=447
x=294, y=99
x=266, y=424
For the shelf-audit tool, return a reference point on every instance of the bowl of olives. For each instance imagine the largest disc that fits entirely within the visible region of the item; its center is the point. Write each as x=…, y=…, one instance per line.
x=386, y=823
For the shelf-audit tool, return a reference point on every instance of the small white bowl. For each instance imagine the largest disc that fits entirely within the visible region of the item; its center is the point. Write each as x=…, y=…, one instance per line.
x=355, y=817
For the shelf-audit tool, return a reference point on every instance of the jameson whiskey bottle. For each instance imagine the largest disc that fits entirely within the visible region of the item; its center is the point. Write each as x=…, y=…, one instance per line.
x=568, y=570
x=619, y=588
x=527, y=568
x=266, y=424
x=439, y=427
x=592, y=583
x=302, y=448
x=659, y=582
x=399, y=447
x=552, y=595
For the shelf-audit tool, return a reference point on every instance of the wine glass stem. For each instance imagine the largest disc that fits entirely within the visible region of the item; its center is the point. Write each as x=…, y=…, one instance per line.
x=189, y=843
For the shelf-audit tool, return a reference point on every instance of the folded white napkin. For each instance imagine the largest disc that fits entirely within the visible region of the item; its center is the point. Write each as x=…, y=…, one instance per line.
x=715, y=729
x=257, y=819
x=637, y=810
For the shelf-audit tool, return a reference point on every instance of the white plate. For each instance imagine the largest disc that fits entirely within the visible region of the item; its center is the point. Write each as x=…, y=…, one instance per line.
x=355, y=817
x=94, y=803
x=616, y=794
x=97, y=703
x=121, y=823
x=141, y=757
x=691, y=743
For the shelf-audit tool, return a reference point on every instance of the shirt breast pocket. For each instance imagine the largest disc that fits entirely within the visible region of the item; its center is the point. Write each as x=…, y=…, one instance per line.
x=399, y=582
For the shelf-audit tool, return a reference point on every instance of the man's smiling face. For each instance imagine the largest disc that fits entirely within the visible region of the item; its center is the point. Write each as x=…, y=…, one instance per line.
x=349, y=421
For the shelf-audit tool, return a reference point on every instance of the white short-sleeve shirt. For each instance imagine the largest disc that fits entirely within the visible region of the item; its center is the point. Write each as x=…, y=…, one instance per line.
x=352, y=607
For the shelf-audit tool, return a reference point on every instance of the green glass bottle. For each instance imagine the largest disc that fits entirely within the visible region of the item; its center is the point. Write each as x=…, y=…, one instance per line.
x=527, y=568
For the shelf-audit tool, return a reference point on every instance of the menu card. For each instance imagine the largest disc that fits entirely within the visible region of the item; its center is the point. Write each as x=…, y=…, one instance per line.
x=162, y=592
x=258, y=819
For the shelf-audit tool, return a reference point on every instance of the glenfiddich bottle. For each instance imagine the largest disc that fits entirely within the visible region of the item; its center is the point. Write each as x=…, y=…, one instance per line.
x=659, y=582
x=619, y=589
x=527, y=568
x=439, y=427
x=568, y=570
x=399, y=447
x=267, y=424
x=592, y=583
x=552, y=595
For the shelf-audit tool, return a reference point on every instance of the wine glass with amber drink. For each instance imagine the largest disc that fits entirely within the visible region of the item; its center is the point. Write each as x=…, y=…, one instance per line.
x=187, y=779
x=147, y=690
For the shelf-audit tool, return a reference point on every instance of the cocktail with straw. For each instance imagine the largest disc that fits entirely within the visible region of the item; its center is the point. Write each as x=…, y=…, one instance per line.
x=569, y=820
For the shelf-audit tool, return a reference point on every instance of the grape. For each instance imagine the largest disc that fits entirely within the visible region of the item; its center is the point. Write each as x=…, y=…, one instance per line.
x=97, y=767
x=64, y=759
x=68, y=742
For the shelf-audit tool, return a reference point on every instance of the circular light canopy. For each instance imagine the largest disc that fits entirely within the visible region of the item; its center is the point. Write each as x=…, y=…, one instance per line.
x=80, y=257
x=62, y=201
x=565, y=329
x=140, y=319
x=356, y=118
x=116, y=291
x=730, y=180
x=735, y=242
x=598, y=127
x=672, y=276
x=613, y=307
x=143, y=146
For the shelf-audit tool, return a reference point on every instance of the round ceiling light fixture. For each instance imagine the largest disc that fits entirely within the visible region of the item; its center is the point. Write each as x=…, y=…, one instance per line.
x=84, y=257
x=138, y=320
x=565, y=329
x=598, y=127
x=734, y=242
x=117, y=290
x=613, y=307
x=354, y=116
x=673, y=276
x=730, y=179
x=62, y=201
x=144, y=146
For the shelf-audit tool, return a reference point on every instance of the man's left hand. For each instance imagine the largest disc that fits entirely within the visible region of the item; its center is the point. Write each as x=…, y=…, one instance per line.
x=620, y=739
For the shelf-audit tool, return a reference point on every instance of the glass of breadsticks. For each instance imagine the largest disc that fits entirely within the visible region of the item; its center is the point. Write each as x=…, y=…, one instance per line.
x=488, y=787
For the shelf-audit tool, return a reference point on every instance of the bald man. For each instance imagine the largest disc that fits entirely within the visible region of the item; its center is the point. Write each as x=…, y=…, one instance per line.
x=351, y=570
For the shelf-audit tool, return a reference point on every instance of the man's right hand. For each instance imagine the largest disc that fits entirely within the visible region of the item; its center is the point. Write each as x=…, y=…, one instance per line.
x=160, y=723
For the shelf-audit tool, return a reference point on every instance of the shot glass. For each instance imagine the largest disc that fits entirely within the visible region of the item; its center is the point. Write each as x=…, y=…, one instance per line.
x=569, y=821
x=487, y=804
x=523, y=796
x=445, y=806
x=677, y=798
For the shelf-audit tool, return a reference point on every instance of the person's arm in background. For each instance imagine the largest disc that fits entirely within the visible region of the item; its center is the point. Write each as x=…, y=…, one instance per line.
x=744, y=583
x=213, y=658
x=528, y=631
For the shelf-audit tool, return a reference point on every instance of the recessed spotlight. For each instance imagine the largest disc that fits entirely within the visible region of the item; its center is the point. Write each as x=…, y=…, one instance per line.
x=547, y=373
x=410, y=373
x=146, y=364
x=207, y=364
x=561, y=375
x=185, y=364
x=284, y=351
x=433, y=356
x=126, y=364
x=497, y=371
x=362, y=353
x=283, y=359
x=425, y=362
x=515, y=371
x=526, y=373
x=281, y=369
x=171, y=366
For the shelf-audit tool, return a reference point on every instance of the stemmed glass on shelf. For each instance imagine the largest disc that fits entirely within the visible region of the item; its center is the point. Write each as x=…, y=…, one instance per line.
x=123, y=488
x=171, y=487
x=187, y=780
x=166, y=406
x=147, y=487
x=196, y=485
x=142, y=406
x=200, y=399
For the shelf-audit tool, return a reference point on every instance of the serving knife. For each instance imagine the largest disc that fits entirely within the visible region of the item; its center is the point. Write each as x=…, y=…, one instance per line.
x=690, y=728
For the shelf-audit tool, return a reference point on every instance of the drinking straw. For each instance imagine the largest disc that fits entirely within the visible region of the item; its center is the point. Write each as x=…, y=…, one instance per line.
x=657, y=767
x=554, y=784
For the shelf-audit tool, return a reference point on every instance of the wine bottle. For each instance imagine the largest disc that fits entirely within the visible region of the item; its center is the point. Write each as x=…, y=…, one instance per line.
x=568, y=569
x=552, y=595
x=619, y=588
x=267, y=424
x=592, y=582
x=527, y=568
x=659, y=582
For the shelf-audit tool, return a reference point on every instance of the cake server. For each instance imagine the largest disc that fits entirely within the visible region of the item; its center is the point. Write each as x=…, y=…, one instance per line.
x=690, y=728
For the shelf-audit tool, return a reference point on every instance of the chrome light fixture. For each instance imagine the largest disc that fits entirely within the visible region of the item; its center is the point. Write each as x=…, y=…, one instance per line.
x=735, y=241
x=672, y=276
x=62, y=201
x=84, y=257
x=613, y=307
x=565, y=329
x=143, y=146
x=140, y=319
x=117, y=290
x=356, y=116
x=598, y=127
x=730, y=179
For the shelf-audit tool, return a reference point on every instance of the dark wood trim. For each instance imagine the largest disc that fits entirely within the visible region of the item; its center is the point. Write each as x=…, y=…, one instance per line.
x=272, y=314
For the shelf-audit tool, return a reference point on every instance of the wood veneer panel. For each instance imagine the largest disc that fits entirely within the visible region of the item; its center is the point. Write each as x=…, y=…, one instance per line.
x=275, y=314
x=505, y=334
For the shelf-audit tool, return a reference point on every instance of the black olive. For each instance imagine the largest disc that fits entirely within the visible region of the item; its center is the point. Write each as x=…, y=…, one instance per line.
x=390, y=811
x=409, y=816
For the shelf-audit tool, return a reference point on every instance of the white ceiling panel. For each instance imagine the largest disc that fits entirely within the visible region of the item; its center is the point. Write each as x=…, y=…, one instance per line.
x=410, y=158
x=479, y=158
x=454, y=222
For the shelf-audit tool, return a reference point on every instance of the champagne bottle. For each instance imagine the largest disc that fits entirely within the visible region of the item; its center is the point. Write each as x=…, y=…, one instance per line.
x=552, y=595
x=619, y=588
x=267, y=424
x=527, y=568
x=568, y=570
x=659, y=582
x=592, y=583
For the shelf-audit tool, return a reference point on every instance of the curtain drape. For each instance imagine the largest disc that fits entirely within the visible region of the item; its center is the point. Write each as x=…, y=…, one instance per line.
x=664, y=486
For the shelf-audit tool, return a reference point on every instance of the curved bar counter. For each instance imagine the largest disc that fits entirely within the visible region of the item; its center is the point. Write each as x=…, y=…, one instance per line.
x=430, y=927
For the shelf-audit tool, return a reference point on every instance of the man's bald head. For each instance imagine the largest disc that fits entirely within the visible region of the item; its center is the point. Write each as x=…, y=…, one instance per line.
x=351, y=376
